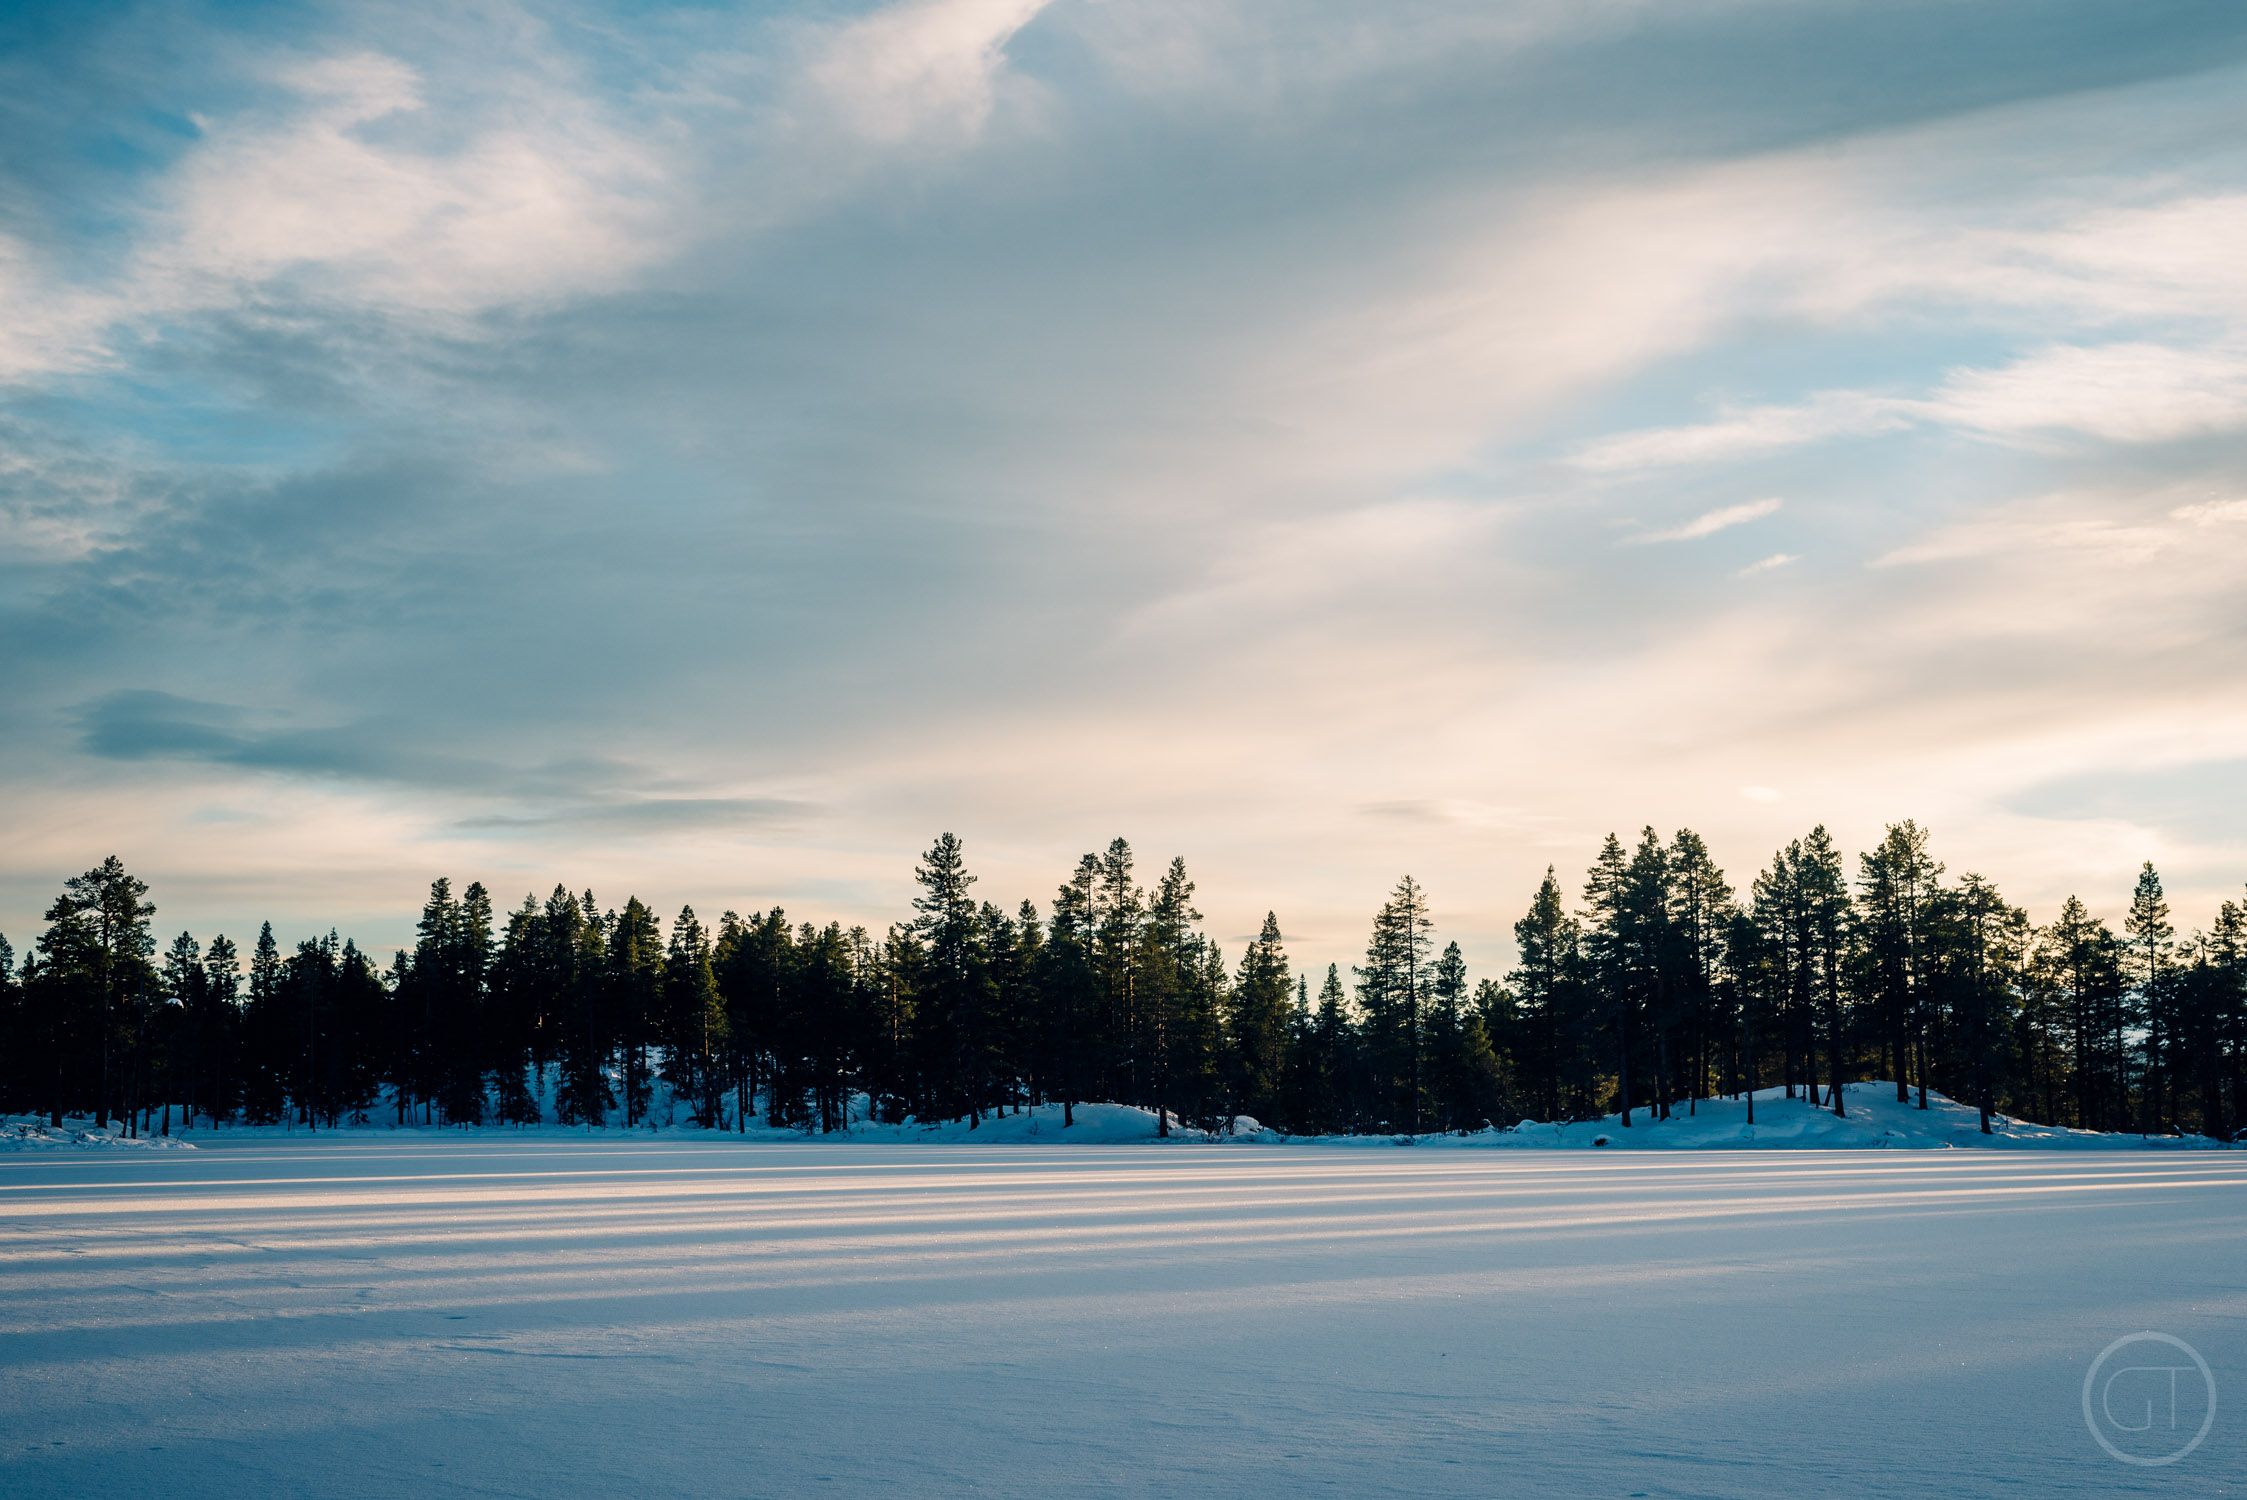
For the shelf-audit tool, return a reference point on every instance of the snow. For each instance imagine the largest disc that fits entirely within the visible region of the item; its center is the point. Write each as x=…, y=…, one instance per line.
x=36, y=1135
x=1873, y=1120
x=541, y=1314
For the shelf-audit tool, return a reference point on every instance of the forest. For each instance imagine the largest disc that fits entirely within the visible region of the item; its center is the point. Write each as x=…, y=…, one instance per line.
x=1658, y=985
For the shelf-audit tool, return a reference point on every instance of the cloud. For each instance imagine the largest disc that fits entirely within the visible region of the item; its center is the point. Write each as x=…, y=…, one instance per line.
x=1750, y=432
x=2125, y=393
x=2212, y=512
x=2040, y=527
x=347, y=181
x=142, y=724
x=1708, y=523
x=1765, y=565
x=651, y=815
x=539, y=198
x=922, y=67
x=2192, y=802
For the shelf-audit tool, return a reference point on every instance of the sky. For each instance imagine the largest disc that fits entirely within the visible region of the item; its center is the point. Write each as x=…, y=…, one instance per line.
x=705, y=451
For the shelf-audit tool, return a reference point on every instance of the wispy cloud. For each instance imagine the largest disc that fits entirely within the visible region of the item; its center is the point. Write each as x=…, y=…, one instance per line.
x=1710, y=522
x=2125, y=393
x=1749, y=432
x=1766, y=564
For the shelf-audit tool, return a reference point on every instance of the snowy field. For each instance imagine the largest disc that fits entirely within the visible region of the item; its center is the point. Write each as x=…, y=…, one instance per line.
x=373, y=1314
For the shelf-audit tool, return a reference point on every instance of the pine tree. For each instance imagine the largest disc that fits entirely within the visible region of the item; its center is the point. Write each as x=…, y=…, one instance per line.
x=266, y=1070
x=218, y=1024
x=1611, y=947
x=1554, y=1046
x=2150, y=933
x=1068, y=989
x=696, y=1020
x=1896, y=881
x=1119, y=909
x=1823, y=890
x=1989, y=941
x=1464, y=1083
x=634, y=974
x=955, y=991
x=1393, y=991
x=1165, y=989
x=1651, y=957
x=1336, y=1095
x=1701, y=915
x=1257, y=1024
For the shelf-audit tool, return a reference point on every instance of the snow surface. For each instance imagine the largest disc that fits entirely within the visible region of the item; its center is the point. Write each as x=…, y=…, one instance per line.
x=539, y=1315
x=1873, y=1120
x=31, y=1134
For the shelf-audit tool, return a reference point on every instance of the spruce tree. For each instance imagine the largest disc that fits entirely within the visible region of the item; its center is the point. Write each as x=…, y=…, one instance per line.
x=1257, y=1024
x=1068, y=989
x=1701, y=915
x=219, y=1025
x=1824, y=893
x=696, y=1020
x=1895, y=883
x=1393, y=991
x=1554, y=1047
x=955, y=990
x=633, y=974
x=1337, y=1093
x=2150, y=934
x=1609, y=949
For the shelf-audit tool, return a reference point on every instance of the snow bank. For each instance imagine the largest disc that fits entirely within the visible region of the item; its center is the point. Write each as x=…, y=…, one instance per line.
x=1873, y=1120
x=36, y=1135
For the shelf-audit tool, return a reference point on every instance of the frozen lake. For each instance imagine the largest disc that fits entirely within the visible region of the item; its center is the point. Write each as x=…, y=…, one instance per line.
x=551, y=1317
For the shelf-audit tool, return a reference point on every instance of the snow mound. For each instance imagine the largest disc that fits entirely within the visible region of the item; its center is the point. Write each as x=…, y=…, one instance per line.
x=1872, y=1120
x=1093, y=1125
x=36, y=1135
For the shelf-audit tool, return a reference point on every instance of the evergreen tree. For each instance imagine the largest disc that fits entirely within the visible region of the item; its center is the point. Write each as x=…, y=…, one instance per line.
x=1257, y=1025
x=634, y=977
x=955, y=992
x=1166, y=990
x=1700, y=918
x=696, y=1020
x=2150, y=933
x=1988, y=941
x=266, y=1050
x=1465, y=1087
x=1069, y=990
x=1823, y=890
x=1336, y=1092
x=1555, y=1030
x=1896, y=881
x=218, y=1028
x=1393, y=993
x=1119, y=908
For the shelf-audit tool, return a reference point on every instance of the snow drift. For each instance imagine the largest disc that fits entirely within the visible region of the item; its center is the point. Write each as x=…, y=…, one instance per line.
x=1874, y=1120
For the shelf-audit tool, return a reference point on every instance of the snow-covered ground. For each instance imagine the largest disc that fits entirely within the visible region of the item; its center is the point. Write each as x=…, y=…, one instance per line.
x=1873, y=1119
x=372, y=1314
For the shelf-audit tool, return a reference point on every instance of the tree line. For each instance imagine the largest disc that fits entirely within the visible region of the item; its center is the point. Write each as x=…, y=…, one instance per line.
x=1658, y=986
